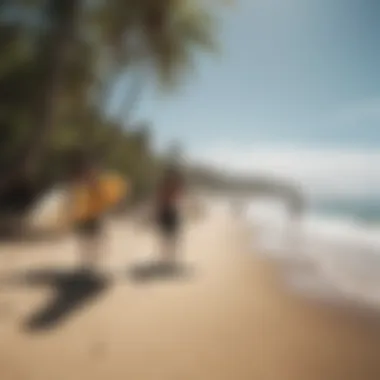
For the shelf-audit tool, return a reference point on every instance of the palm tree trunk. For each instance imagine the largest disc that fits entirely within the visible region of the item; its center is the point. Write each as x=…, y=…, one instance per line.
x=61, y=15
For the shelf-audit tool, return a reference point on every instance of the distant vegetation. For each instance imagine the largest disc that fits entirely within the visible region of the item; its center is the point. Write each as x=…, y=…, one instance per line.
x=248, y=186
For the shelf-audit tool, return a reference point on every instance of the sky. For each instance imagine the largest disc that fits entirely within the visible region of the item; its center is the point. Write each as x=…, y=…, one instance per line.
x=295, y=92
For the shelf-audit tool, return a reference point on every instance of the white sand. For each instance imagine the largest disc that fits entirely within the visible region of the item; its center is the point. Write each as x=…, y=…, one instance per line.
x=230, y=318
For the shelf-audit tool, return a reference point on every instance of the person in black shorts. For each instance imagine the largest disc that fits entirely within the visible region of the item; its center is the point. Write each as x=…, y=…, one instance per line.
x=168, y=215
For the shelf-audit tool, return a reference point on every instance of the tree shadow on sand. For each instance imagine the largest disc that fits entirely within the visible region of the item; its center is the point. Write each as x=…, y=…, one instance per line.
x=72, y=291
x=158, y=271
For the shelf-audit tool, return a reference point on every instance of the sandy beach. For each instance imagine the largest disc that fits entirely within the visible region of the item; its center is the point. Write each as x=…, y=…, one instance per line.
x=227, y=316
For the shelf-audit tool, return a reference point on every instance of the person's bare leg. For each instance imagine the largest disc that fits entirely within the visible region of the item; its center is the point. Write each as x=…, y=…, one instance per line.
x=169, y=248
x=85, y=253
x=90, y=251
x=172, y=249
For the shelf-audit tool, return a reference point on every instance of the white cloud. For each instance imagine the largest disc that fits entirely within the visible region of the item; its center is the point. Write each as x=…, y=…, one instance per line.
x=338, y=172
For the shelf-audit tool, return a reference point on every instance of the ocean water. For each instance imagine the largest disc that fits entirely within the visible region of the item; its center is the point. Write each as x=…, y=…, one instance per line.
x=332, y=252
x=364, y=210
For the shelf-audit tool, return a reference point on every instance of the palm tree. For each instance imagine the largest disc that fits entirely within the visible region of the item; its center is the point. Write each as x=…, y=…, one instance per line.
x=161, y=35
x=53, y=54
x=153, y=41
x=157, y=37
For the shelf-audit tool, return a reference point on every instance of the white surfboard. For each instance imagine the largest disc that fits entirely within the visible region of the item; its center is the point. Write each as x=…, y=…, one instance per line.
x=49, y=213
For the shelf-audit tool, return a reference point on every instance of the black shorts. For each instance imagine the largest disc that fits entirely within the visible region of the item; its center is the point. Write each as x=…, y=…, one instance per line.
x=168, y=221
x=89, y=228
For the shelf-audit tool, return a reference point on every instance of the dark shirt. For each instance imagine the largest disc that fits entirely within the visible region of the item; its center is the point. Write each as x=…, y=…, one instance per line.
x=169, y=193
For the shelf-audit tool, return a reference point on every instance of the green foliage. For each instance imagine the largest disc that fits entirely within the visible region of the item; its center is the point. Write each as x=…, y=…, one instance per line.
x=108, y=38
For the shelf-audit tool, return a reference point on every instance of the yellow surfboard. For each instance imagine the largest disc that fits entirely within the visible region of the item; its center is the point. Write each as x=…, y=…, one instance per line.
x=91, y=201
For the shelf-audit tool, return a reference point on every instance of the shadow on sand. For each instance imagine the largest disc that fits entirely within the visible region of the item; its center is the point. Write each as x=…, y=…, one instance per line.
x=72, y=291
x=157, y=271
x=28, y=239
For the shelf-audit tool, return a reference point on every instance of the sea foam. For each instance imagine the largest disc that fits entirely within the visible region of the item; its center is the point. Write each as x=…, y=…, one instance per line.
x=320, y=255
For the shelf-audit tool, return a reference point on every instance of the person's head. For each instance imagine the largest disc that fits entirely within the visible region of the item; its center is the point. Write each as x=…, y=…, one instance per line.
x=82, y=165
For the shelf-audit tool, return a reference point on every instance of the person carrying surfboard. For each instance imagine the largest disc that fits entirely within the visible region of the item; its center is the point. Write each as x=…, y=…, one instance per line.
x=85, y=208
x=93, y=194
x=169, y=194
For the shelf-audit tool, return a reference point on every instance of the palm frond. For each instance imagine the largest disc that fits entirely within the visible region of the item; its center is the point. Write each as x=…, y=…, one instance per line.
x=172, y=46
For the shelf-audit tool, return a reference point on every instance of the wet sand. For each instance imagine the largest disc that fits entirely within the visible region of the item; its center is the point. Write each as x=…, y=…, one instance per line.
x=227, y=316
